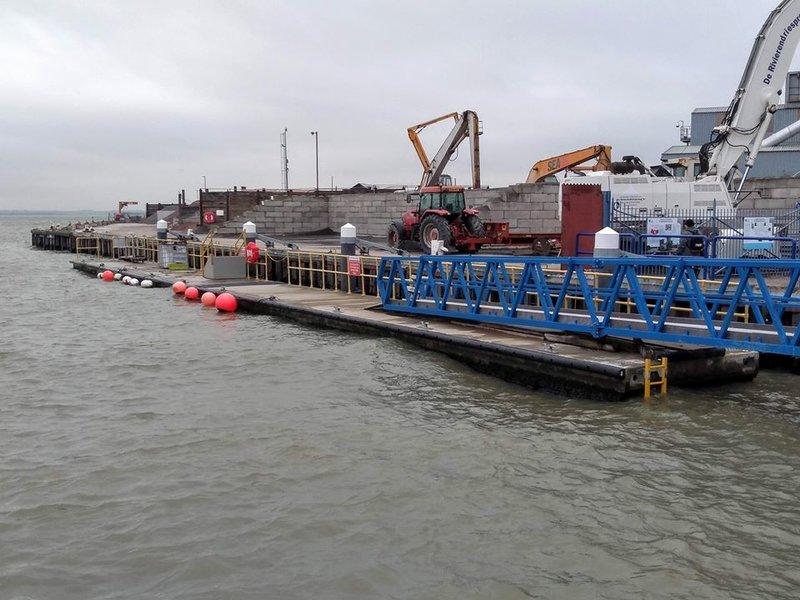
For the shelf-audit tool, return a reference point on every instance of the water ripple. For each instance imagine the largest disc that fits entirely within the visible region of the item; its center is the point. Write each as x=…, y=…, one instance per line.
x=149, y=448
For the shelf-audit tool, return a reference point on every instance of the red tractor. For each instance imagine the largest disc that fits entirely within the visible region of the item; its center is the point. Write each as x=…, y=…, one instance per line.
x=441, y=214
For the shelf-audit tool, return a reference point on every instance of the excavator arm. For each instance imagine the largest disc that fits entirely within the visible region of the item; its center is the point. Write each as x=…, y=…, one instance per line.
x=571, y=161
x=750, y=112
x=466, y=126
x=123, y=203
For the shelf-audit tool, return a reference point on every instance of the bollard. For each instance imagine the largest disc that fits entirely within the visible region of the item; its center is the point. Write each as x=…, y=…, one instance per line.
x=249, y=229
x=347, y=239
x=161, y=229
x=606, y=244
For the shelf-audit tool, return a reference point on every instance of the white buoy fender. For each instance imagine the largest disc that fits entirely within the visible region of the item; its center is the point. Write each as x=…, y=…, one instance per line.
x=133, y=281
x=126, y=279
x=146, y=283
x=99, y=274
x=117, y=276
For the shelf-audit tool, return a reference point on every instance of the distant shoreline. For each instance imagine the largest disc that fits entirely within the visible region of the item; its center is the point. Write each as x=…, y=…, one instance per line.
x=53, y=212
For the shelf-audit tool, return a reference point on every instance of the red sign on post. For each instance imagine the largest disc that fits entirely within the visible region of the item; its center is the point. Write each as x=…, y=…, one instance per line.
x=252, y=252
x=209, y=218
x=354, y=266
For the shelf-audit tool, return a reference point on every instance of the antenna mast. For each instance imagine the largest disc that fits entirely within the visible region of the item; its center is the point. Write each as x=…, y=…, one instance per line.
x=284, y=162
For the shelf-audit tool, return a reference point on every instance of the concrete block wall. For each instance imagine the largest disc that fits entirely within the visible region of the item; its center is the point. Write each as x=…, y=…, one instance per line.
x=283, y=215
x=371, y=213
x=526, y=207
x=772, y=193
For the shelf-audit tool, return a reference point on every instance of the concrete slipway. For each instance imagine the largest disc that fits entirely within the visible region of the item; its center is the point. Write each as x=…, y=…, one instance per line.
x=552, y=362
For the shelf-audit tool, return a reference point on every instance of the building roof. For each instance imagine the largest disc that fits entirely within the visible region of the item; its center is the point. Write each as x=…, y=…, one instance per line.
x=693, y=150
x=681, y=150
x=710, y=109
x=779, y=148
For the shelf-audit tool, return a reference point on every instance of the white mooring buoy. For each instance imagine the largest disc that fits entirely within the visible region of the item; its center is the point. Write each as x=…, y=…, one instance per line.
x=146, y=283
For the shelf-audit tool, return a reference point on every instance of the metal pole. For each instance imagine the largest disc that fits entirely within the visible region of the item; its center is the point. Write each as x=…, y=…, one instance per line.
x=741, y=185
x=316, y=153
x=205, y=186
x=284, y=161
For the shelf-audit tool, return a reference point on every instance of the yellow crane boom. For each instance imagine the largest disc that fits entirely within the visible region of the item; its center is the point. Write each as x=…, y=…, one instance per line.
x=571, y=161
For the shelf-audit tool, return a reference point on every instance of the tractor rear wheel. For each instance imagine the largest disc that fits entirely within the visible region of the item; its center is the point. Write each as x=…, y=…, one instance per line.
x=394, y=235
x=432, y=228
x=475, y=225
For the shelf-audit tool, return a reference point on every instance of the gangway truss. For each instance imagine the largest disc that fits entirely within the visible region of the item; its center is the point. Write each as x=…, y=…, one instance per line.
x=746, y=306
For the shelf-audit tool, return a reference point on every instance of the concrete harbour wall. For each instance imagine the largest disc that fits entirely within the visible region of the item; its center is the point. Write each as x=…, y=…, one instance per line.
x=527, y=207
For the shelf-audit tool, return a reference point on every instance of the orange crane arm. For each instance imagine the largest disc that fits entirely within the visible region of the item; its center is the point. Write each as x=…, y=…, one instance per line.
x=413, y=135
x=571, y=160
x=125, y=203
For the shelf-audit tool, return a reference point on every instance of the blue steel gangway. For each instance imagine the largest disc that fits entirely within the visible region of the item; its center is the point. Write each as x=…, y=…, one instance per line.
x=750, y=304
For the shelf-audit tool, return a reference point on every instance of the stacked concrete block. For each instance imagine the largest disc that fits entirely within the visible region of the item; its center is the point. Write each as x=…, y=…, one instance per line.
x=772, y=193
x=531, y=208
x=525, y=207
x=371, y=213
x=284, y=215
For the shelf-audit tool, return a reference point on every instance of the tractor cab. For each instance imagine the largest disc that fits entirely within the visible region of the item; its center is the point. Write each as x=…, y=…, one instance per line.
x=445, y=200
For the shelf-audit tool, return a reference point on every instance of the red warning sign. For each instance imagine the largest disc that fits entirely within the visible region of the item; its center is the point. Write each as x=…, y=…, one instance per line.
x=354, y=266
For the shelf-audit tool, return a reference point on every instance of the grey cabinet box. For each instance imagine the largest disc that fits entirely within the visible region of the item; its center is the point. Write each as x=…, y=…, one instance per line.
x=225, y=267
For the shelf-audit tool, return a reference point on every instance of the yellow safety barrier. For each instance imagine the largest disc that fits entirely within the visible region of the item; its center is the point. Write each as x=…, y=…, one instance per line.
x=137, y=249
x=88, y=244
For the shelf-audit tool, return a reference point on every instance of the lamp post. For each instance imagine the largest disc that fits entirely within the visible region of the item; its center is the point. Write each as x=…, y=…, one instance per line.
x=316, y=151
x=205, y=187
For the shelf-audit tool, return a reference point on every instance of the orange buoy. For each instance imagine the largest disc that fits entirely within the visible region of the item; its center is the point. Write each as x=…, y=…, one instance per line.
x=226, y=302
x=179, y=287
x=108, y=275
x=191, y=293
x=208, y=299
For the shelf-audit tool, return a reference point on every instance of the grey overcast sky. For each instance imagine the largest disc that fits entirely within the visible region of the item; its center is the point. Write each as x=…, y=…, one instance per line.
x=109, y=100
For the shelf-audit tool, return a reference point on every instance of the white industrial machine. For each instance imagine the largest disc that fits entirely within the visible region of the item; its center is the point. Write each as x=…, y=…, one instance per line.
x=742, y=129
x=653, y=194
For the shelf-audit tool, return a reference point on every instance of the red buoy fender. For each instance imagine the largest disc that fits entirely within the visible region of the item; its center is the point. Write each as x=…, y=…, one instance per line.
x=226, y=302
x=191, y=293
x=108, y=275
x=179, y=287
x=208, y=299
x=252, y=252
